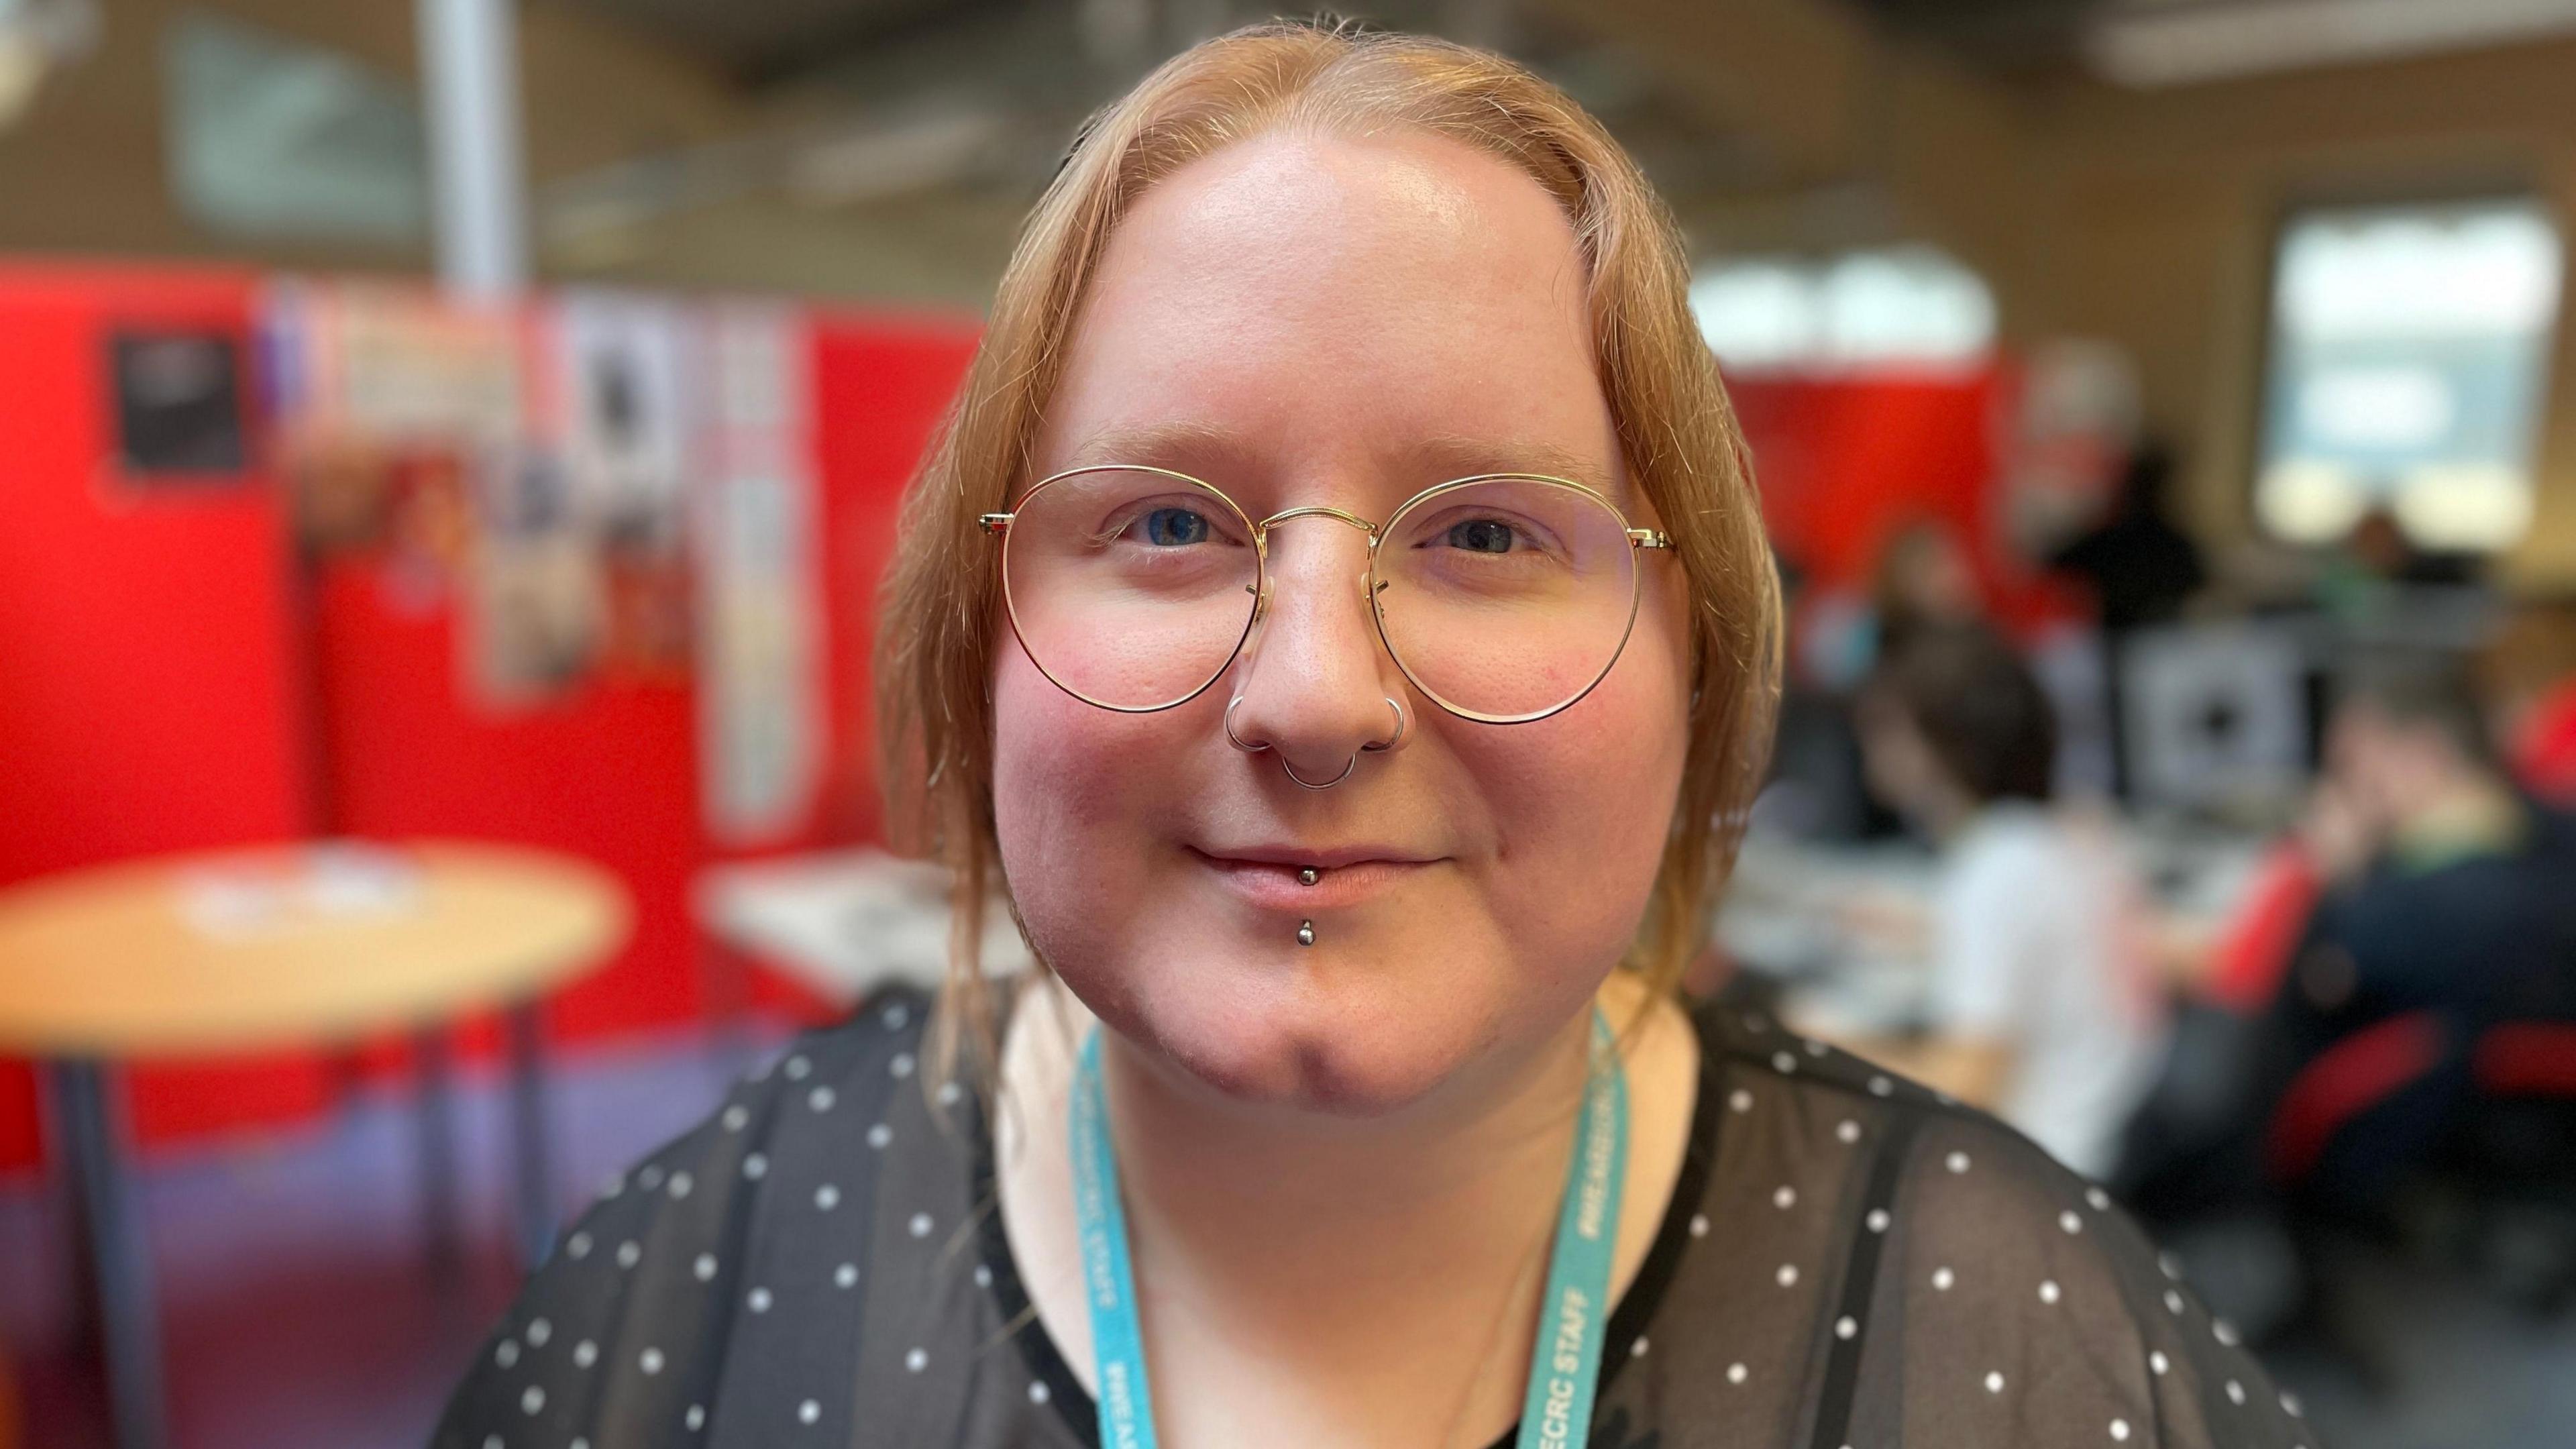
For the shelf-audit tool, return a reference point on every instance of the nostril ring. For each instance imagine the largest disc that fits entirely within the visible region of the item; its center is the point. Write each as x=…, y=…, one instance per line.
x=1402, y=724
x=1234, y=739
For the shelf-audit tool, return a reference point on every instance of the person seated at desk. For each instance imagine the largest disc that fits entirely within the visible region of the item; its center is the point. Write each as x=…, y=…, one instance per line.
x=2041, y=1003
x=2410, y=956
x=2448, y=911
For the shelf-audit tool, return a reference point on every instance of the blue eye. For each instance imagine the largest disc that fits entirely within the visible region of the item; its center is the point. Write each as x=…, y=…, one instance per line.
x=1481, y=535
x=1170, y=527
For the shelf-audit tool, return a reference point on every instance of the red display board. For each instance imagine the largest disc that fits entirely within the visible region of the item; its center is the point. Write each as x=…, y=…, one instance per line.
x=881, y=387
x=149, y=692
x=1847, y=462
x=169, y=679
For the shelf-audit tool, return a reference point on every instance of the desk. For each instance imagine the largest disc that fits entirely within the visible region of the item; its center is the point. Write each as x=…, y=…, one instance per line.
x=1844, y=929
x=235, y=951
x=844, y=923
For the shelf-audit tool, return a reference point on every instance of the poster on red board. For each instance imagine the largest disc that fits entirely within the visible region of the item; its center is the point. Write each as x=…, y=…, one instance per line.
x=617, y=412
x=762, y=726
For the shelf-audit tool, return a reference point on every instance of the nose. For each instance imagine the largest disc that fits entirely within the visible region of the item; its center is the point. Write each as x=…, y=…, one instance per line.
x=1314, y=680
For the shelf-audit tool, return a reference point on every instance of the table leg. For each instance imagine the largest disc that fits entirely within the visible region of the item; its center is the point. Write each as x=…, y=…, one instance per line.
x=534, y=1146
x=725, y=976
x=441, y=1238
x=130, y=1329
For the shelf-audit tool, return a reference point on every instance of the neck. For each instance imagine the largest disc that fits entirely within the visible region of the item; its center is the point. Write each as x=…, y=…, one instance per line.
x=1461, y=1178
x=2459, y=812
x=1335, y=1280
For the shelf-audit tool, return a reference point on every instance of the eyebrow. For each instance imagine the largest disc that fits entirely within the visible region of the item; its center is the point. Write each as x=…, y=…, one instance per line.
x=1184, y=447
x=1449, y=455
x=1178, y=446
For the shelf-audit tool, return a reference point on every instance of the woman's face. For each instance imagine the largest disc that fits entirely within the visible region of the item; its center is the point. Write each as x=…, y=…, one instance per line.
x=1311, y=320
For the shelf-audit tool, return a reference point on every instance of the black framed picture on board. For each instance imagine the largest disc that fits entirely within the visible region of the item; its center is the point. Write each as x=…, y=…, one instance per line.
x=180, y=406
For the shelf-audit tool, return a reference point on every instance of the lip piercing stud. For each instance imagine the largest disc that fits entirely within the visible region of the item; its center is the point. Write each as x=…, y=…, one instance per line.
x=1305, y=933
x=1306, y=876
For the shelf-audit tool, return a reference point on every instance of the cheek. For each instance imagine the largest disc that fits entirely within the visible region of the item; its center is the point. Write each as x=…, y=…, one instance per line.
x=1074, y=792
x=1583, y=800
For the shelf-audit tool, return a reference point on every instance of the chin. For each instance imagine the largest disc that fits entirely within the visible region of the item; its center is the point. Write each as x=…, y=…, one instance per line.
x=1362, y=1024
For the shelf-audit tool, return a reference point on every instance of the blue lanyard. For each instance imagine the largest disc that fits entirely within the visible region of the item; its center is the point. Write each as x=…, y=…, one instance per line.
x=1573, y=1318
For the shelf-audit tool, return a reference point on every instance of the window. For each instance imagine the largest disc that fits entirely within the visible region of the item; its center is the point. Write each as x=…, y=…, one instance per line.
x=1905, y=307
x=272, y=138
x=2409, y=357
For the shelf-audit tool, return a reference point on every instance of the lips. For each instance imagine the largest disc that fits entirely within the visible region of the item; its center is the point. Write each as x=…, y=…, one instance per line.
x=1270, y=877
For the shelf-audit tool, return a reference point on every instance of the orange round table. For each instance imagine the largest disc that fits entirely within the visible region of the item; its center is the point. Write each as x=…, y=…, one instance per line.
x=234, y=951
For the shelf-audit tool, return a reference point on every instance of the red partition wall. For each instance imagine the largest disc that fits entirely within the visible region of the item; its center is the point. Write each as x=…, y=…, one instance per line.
x=1845, y=462
x=149, y=691
x=881, y=388
x=167, y=681
x=610, y=770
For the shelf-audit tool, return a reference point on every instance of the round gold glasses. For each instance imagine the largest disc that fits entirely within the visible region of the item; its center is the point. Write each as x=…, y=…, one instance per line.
x=1504, y=597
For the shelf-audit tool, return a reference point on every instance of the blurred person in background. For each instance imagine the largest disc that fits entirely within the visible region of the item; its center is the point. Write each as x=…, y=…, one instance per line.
x=1355, y=1100
x=2141, y=571
x=1924, y=581
x=1923, y=578
x=2368, y=573
x=2416, y=966
x=2141, y=568
x=2041, y=1002
x=2449, y=910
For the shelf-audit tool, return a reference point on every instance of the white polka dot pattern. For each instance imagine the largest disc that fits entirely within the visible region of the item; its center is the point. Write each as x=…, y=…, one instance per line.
x=814, y=1213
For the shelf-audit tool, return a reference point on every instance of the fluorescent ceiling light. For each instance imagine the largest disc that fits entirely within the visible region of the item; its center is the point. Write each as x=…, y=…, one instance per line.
x=2151, y=43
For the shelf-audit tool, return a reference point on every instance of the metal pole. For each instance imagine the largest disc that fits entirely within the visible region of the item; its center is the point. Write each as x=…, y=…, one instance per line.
x=532, y=1136
x=470, y=92
x=128, y=1315
x=439, y=1214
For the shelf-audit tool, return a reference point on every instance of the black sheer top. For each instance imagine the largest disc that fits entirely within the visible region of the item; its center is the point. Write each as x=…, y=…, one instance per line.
x=1847, y=1260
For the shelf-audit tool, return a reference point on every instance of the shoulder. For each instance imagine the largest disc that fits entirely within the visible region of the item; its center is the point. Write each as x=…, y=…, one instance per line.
x=2015, y=838
x=1960, y=1276
x=621, y=1331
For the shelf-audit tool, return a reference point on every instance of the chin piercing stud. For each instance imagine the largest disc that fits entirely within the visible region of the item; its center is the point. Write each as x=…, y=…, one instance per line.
x=1305, y=933
x=1306, y=876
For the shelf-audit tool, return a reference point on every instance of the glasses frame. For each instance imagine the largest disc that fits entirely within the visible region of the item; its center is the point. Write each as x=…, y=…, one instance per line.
x=998, y=525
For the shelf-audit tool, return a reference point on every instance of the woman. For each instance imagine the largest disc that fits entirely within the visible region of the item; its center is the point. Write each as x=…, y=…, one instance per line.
x=2042, y=1002
x=1363, y=843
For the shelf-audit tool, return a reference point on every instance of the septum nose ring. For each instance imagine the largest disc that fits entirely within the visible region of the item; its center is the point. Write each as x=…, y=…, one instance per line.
x=1402, y=724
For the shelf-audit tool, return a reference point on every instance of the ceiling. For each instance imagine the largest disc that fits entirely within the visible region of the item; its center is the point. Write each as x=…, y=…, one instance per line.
x=1999, y=35
x=760, y=41
x=766, y=42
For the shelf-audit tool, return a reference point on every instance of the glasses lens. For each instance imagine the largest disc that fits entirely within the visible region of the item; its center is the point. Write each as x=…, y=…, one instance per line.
x=1505, y=599
x=1129, y=588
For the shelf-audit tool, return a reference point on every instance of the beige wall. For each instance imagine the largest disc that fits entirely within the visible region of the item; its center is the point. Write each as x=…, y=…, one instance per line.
x=2143, y=218
x=2155, y=215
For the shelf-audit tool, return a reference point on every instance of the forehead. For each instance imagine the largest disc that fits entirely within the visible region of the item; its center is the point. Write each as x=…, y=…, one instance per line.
x=1304, y=307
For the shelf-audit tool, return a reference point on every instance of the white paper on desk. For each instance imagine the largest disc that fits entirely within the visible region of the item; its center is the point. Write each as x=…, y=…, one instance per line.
x=326, y=884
